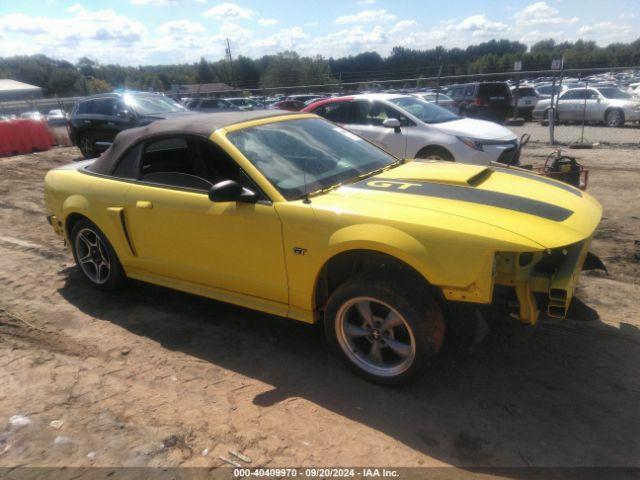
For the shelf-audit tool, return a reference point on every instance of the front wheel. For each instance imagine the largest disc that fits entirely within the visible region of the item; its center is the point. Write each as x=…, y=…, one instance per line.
x=95, y=256
x=435, y=153
x=385, y=334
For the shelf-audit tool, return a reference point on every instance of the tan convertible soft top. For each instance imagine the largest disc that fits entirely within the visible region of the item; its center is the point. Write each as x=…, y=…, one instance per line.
x=201, y=124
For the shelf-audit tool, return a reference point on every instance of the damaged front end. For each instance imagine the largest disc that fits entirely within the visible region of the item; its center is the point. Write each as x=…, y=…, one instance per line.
x=552, y=273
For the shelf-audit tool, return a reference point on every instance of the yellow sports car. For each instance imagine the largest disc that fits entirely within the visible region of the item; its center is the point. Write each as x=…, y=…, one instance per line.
x=295, y=216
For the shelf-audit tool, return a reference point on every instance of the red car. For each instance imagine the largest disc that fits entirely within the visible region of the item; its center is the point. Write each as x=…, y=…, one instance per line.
x=292, y=105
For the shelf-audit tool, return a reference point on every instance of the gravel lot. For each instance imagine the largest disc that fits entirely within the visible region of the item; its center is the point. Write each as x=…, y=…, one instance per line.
x=152, y=377
x=629, y=135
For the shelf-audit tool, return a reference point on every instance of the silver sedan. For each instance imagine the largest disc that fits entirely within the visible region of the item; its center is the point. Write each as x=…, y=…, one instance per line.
x=609, y=105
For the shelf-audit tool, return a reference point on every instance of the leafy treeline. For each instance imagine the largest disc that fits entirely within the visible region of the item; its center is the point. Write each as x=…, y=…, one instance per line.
x=59, y=77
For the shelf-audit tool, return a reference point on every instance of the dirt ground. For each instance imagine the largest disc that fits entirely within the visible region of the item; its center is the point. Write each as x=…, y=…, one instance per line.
x=153, y=377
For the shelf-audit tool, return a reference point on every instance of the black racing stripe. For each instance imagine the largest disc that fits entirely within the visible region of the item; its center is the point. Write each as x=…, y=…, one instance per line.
x=468, y=194
x=540, y=178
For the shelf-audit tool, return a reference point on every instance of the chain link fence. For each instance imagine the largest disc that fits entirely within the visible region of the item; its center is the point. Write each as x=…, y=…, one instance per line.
x=592, y=114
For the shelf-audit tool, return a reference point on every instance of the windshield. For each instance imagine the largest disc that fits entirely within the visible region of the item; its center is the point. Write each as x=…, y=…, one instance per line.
x=425, y=111
x=614, y=93
x=304, y=156
x=152, y=104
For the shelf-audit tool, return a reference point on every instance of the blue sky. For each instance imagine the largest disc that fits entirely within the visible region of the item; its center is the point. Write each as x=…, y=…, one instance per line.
x=134, y=32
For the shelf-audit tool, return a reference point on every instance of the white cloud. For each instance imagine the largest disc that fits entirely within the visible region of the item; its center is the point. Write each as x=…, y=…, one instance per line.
x=101, y=32
x=226, y=10
x=312, y=24
x=176, y=27
x=267, y=22
x=541, y=13
x=481, y=27
x=367, y=2
x=365, y=16
x=608, y=31
x=285, y=39
x=403, y=25
x=155, y=3
x=343, y=42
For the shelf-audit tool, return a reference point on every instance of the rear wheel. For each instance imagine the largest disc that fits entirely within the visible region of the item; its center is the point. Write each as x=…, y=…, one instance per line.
x=385, y=336
x=87, y=146
x=95, y=256
x=614, y=118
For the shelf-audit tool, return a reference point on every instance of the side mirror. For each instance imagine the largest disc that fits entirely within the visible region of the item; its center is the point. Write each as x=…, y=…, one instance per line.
x=392, y=123
x=231, y=191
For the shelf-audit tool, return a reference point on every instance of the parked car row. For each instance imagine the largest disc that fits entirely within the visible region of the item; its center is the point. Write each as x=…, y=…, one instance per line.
x=609, y=105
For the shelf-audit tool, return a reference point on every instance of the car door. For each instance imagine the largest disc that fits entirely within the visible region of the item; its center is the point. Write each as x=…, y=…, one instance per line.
x=104, y=121
x=367, y=119
x=568, y=104
x=595, y=106
x=177, y=232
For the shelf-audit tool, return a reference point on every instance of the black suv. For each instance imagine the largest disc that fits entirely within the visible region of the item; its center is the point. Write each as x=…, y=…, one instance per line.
x=96, y=120
x=485, y=100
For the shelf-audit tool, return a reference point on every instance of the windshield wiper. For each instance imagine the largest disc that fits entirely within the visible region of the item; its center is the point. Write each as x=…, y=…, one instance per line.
x=377, y=171
x=327, y=189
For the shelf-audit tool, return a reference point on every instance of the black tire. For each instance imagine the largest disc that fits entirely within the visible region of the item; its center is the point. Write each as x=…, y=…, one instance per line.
x=86, y=145
x=418, y=334
x=614, y=118
x=84, y=235
x=435, y=152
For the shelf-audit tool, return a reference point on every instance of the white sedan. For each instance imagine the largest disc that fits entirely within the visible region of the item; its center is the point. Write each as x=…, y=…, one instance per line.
x=409, y=127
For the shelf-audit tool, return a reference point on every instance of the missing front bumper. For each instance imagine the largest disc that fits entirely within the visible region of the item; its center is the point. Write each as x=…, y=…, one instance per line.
x=554, y=273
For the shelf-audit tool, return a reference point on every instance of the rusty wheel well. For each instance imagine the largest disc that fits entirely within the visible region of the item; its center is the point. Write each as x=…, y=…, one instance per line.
x=345, y=265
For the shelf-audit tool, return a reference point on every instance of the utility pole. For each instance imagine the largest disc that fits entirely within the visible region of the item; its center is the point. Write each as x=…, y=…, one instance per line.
x=230, y=58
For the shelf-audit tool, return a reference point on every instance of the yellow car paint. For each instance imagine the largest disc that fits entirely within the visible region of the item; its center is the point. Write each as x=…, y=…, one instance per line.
x=274, y=252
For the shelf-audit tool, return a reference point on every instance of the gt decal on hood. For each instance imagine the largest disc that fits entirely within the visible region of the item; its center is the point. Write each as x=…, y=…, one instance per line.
x=468, y=194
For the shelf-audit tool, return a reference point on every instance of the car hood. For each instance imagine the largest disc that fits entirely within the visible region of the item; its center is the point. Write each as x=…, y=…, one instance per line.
x=480, y=129
x=547, y=213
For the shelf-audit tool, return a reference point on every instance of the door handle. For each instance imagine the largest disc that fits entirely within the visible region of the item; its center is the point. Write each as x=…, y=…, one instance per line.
x=144, y=204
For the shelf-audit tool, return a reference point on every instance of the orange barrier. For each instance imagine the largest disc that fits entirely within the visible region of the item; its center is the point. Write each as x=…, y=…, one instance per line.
x=24, y=136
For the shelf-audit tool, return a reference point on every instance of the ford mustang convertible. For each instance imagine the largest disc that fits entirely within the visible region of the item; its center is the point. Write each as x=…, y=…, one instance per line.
x=295, y=216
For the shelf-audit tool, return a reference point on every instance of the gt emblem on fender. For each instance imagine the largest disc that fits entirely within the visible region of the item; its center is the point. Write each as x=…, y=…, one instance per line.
x=299, y=250
x=391, y=184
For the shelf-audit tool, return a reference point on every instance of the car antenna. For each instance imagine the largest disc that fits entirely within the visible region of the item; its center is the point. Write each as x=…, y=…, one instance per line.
x=306, y=198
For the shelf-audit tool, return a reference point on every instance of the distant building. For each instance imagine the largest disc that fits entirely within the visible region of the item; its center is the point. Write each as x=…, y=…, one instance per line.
x=200, y=88
x=14, y=90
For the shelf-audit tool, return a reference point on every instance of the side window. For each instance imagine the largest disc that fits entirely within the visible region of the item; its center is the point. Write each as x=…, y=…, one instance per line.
x=572, y=95
x=336, y=112
x=168, y=162
x=369, y=113
x=84, y=108
x=210, y=103
x=393, y=113
x=470, y=91
x=128, y=165
x=458, y=92
x=189, y=163
x=103, y=106
x=592, y=95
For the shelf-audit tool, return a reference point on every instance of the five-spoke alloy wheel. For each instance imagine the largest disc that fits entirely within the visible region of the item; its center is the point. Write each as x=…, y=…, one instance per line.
x=95, y=256
x=375, y=336
x=385, y=329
